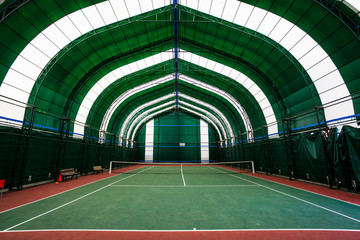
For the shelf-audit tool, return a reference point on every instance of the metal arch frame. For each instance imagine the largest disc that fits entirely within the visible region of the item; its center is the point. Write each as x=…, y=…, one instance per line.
x=107, y=28
x=159, y=112
x=12, y=7
x=115, y=25
x=213, y=108
x=154, y=10
x=229, y=98
x=144, y=114
x=340, y=15
x=103, y=65
x=262, y=37
x=229, y=133
x=236, y=84
x=129, y=77
x=86, y=37
x=206, y=119
x=255, y=70
x=249, y=93
x=137, y=122
x=115, y=104
x=137, y=110
x=145, y=119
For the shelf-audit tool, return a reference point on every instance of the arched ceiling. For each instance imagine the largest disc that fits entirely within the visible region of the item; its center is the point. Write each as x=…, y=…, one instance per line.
x=252, y=64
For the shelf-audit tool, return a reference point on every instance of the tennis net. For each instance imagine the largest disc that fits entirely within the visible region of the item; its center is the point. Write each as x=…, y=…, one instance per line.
x=172, y=167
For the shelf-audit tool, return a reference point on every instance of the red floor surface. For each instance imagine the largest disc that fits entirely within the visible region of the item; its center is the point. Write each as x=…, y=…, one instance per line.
x=190, y=235
x=17, y=198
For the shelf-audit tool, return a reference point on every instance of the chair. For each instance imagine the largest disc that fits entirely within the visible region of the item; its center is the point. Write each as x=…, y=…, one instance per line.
x=2, y=184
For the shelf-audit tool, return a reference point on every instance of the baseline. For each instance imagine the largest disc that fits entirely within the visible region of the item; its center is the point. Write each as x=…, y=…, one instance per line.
x=68, y=203
x=291, y=196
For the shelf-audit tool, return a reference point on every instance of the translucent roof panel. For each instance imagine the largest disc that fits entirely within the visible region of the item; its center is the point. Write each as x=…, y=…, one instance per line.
x=355, y=3
x=48, y=43
x=225, y=95
x=248, y=83
x=275, y=58
x=288, y=35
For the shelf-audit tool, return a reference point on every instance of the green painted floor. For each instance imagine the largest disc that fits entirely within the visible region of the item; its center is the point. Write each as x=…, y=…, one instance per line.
x=171, y=198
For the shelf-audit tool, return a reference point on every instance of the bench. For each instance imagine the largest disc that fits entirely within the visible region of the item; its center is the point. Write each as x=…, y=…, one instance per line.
x=67, y=173
x=98, y=169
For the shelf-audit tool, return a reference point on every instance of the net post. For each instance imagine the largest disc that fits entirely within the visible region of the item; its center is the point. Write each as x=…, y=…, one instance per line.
x=110, y=167
x=253, y=167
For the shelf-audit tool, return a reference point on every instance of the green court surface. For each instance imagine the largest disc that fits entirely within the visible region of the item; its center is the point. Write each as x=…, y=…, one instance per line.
x=183, y=198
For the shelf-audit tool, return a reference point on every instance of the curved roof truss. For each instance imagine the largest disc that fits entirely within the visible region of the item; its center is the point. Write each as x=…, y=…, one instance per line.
x=24, y=73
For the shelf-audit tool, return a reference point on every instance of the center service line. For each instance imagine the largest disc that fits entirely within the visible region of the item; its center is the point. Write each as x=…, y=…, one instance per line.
x=182, y=174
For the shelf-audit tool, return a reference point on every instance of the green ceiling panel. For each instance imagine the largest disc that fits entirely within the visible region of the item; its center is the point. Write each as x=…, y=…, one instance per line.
x=77, y=68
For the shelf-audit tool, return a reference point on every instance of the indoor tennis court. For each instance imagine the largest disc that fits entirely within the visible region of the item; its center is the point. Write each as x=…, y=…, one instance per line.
x=128, y=119
x=183, y=198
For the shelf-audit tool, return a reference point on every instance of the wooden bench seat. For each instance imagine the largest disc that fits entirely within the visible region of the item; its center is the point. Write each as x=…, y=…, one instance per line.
x=67, y=173
x=98, y=169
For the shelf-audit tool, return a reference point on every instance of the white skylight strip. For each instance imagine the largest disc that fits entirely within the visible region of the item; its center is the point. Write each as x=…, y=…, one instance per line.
x=145, y=5
x=209, y=115
x=143, y=115
x=241, y=78
x=147, y=118
x=138, y=109
x=119, y=100
x=93, y=16
x=159, y=3
x=20, y=79
x=48, y=43
x=149, y=141
x=204, y=5
x=56, y=36
x=355, y=4
x=67, y=27
x=25, y=67
x=214, y=109
x=230, y=10
x=108, y=79
x=204, y=141
x=80, y=21
x=133, y=7
x=225, y=95
x=205, y=118
x=44, y=44
x=256, y=18
x=217, y=8
x=106, y=12
x=305, y=49
x=243, y=13
x=120, y=9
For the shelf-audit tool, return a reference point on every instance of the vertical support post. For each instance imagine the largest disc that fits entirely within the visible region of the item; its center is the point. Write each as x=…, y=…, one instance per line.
x=287, y=131
x=63, y=138
x=19, y=168
x=110, y=167
x=322, y=126
x=86, y=142
x=176, y=50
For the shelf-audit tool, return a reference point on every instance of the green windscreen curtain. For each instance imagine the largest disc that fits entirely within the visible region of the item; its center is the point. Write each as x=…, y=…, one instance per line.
x=329, y=158
x=347, y=163
x=332, y=158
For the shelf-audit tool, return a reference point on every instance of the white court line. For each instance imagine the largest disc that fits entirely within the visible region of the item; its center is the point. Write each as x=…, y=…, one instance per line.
x=59, y=193
x=288, y=195
x=182, y=230
x=176, y=186
x=323, y=195
x=182, y=174
x=61, y=206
